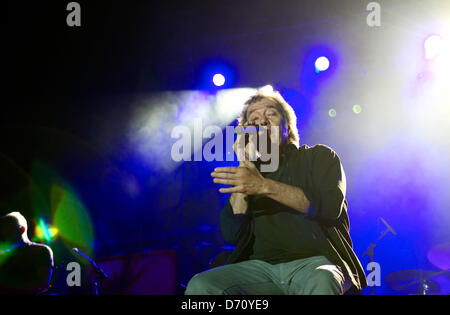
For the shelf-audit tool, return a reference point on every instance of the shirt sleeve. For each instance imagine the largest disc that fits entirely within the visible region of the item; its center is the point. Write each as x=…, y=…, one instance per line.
x=232, y=225
x=327, y=196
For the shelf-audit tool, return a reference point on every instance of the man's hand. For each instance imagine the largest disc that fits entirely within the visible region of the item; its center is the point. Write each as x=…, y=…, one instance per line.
x=245, y=179
x=245, y=152
x=238, y=200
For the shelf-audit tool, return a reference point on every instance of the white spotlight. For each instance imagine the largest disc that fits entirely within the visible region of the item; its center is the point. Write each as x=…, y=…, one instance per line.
x=433, y=46
x=218, y=79
x=322, y=64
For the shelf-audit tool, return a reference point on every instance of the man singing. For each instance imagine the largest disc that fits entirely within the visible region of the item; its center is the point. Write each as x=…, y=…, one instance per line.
x=290, y=226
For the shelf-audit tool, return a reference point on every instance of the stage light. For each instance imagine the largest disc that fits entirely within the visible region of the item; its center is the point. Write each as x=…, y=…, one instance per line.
x=433, y=46
x=215, y=74
x=332, y=113
x=322, y=64
x=218, y=79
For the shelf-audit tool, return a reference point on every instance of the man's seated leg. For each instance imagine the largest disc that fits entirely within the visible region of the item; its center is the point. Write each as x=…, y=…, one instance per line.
x=252, y=277
x=316, y=276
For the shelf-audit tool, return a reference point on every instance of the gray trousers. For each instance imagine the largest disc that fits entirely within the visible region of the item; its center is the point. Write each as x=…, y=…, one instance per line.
x=313, y=275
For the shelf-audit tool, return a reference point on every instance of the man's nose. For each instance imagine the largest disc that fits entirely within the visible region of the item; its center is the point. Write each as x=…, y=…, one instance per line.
x=263, y=121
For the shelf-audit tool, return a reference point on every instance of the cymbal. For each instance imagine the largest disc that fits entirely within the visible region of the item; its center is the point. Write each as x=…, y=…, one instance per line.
x=439, y=256
x=418, y=281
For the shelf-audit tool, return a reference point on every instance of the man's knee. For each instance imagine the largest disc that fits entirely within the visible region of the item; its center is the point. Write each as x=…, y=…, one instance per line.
x=323, y=281
x=201, y=284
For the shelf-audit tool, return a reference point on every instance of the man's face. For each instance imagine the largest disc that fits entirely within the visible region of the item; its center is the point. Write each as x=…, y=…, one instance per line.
x=266, y=113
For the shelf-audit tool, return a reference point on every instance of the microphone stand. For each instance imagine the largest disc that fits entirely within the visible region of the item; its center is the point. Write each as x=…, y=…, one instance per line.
x=99, y=277
x=370, y=251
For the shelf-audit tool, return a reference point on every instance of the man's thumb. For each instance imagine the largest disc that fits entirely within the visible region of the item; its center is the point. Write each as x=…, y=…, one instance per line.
x=249, y=164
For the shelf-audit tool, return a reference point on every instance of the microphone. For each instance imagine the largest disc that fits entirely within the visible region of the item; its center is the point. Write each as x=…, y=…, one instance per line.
x=246, y=129
x=388, y=226
x=256, y=130
x=93, y=264
x=77, y=252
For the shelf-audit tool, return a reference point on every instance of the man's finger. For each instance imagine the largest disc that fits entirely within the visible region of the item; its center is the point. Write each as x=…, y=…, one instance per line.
x=251, y=154
x=235, y=189
x=223, y=175
x=230, y=169
x=224, y=181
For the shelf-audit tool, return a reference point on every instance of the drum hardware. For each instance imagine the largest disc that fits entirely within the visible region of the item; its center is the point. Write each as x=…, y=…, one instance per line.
x=421, y=282
x=370, y=250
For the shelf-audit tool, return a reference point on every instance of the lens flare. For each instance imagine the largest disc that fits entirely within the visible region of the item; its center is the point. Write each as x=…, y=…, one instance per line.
x=45, y=232
x=71, y=221
x=357, y=109
x=332, y=113
x=71, y=217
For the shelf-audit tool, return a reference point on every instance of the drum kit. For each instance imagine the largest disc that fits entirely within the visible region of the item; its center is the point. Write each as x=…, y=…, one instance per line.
x=425, y=282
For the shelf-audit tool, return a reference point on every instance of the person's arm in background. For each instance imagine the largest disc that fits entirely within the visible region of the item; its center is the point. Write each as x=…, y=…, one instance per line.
x=44, y=268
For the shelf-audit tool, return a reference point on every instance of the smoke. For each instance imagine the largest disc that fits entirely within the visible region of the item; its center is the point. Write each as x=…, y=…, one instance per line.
x=156, y=115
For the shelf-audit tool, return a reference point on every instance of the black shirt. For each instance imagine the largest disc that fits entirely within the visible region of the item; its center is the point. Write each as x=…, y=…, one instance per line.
x=285, y=234
x=26, y=269
x=282, y=234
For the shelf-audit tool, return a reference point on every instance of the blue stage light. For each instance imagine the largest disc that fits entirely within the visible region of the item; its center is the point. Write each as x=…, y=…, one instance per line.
x=322, y=64
x=219, y=79
x=215, y=74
